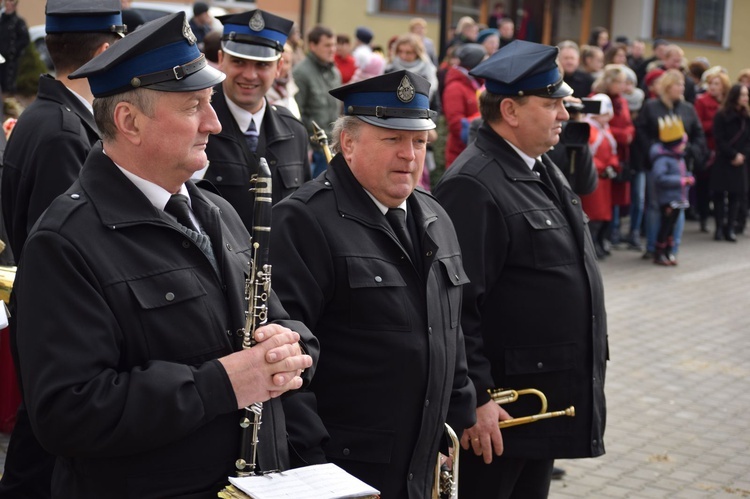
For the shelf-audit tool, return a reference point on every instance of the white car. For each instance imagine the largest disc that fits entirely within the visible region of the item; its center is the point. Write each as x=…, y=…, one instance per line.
x=149, y=11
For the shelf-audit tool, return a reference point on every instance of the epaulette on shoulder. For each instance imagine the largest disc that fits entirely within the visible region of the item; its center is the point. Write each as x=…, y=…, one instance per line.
x=62, y=208
x=310, y=189
x=286, y=113
x=70, y=121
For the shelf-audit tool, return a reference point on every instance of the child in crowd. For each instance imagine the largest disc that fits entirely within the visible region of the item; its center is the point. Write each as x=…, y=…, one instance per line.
x=671, y=180
x=598, y=204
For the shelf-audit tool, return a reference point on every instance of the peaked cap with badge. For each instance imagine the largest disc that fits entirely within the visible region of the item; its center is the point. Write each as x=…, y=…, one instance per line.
x=398, y=100
x=160, y=55
x=255, y=34
x=84, y=16
x=523, y=68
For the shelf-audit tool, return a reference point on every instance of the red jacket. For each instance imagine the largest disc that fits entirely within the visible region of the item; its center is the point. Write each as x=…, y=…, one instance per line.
x=623, y=131
x=459, y=101
x=346, y=66
x=598, y=204
x=706, y=107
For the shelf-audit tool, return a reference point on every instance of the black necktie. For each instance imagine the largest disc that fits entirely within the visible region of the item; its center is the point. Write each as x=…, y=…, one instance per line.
x=397, y=218
x=541, y=170
x=177, y=206
x=251, y=136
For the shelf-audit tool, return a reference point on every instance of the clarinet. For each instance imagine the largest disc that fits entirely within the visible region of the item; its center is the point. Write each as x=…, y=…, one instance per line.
x=257, y=292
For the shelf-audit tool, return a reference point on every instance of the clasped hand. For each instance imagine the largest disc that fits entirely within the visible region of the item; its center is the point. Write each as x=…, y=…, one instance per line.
x=268, y=369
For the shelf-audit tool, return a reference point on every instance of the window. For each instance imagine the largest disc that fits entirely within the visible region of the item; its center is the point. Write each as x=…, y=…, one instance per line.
x=700, y=21
x=416, y=7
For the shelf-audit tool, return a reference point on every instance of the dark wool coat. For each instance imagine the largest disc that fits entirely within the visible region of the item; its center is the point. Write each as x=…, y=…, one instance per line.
x=533, y=313
x=44, y=155
x=393, y=368
x=121, y=320
x=282, y=141
x=732, y=135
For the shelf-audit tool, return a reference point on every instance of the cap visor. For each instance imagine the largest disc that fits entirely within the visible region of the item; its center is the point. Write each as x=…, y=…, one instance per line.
x=249, y=51
x=205, y=78
x=400, y=123
x=565, y=90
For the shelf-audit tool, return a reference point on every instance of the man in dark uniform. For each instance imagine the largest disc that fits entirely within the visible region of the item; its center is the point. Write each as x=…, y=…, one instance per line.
x=55, y=133
x=533, y=313
x=381, y=293
x=252, y=128
x=43, y=157
x=130, y=292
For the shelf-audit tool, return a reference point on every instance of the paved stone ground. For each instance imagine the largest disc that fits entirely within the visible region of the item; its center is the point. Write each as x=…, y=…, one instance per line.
x=678, y=382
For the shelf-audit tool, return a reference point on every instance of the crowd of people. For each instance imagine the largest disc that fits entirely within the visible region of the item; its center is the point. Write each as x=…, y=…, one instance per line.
x=133, y=183
x=662, y=106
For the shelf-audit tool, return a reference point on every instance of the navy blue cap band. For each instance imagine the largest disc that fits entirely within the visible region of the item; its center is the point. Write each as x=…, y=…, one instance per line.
x=265, y=33
x=531, y=83
x=385, y=99
x=76, y=24
x=119, y=77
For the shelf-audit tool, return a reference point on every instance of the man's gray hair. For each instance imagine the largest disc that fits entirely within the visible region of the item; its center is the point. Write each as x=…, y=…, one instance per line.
x=104, y=108
x=351, y=124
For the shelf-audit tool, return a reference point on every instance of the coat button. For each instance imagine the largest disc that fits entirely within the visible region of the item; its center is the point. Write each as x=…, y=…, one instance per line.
x=427, y=403
x=169, y=296
x=411, y=476
x=540, y=365
x=327, y=183
x=457, y=278
x=574, y=201
x=229, y=247
x=185, y=243
x=429, y=329
x=346, y=452
x=548, y=222
x=219, y=178
x=229, y=333
x=378, y=278
x=75, y=196
x=429, y=253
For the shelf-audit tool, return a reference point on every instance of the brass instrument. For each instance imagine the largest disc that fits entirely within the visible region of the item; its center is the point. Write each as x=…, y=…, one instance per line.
x=446, y=480
x=501, y=396
x=320, y=138
x=257, y=292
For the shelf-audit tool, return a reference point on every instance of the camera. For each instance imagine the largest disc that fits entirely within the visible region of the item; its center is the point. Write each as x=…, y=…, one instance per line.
x=576, y=133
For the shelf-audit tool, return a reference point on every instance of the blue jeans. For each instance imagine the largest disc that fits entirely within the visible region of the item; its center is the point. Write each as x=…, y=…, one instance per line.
x=637, y=198
x=319, y=163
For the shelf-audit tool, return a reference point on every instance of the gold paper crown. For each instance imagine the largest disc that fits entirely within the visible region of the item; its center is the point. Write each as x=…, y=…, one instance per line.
x=671, y=129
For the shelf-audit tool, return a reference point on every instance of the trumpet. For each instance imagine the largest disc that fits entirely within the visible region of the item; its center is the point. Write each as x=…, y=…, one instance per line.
x=446, y=480
x=501, y=396
x=321, y=139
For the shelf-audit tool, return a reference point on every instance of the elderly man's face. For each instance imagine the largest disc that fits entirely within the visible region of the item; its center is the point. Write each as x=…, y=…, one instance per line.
x=538, y=122
x=387, y=163
x=569, y=59
x=174, y=137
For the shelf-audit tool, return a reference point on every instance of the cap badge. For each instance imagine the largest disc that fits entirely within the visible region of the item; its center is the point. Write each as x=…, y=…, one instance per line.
x=405, y=91
x=188, y=33
x=256, y=22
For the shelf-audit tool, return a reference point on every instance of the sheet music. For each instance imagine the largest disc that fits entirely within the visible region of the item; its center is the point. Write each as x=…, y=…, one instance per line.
x=320, y=481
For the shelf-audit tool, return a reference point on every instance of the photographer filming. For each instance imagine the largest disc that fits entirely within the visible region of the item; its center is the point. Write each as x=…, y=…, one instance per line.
x=572, y=154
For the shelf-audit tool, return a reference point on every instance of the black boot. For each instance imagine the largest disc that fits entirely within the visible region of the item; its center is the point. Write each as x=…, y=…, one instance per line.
x=729, y=235
x=704, y=224
x=718, y=235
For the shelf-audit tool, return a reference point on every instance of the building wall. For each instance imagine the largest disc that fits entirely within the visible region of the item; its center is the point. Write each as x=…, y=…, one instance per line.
x=634, y=18
x=343, y=16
